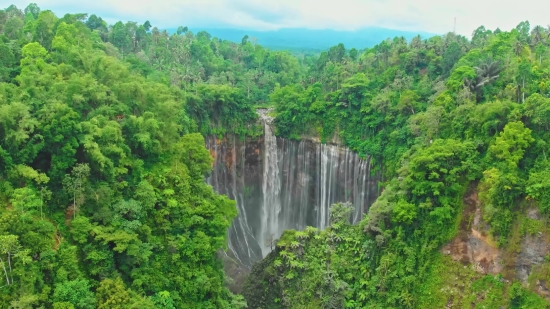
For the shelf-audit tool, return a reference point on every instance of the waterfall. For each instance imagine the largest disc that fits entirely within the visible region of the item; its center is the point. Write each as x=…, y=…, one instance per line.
x=280, y=184
x=271, y=188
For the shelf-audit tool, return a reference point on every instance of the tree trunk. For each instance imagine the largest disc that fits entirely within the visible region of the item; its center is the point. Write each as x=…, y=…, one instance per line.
x=9, y=263
x=523, y=91
x=74, y=199
x=5, y=272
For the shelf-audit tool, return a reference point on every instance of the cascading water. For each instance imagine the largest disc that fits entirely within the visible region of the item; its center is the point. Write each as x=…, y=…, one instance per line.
x=271, y=188
x=280, y=184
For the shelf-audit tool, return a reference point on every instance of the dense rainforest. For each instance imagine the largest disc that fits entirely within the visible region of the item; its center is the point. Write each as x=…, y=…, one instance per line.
x=103, y=199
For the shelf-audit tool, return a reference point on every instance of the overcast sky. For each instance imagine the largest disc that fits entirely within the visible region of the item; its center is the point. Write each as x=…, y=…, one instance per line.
x=412, y=15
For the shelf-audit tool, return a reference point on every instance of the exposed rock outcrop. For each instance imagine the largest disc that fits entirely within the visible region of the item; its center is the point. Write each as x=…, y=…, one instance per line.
x=533, y=250
x=473, y=245
x=521, y=260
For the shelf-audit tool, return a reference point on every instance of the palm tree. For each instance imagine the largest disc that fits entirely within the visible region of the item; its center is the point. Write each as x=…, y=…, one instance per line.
x=416, y=42
x=487, y=72
x=402, y=41
x=537, y=34
x=450, y=38
x=383, y=51
x=464, y=43
x=430, y=45
x=518, y=47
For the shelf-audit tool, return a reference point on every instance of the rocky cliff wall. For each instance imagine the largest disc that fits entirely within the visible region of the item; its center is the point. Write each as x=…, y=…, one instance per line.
x=525, y=257
x=280, y=184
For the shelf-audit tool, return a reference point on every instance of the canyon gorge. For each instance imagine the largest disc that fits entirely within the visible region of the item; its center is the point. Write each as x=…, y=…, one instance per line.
x=281, y=184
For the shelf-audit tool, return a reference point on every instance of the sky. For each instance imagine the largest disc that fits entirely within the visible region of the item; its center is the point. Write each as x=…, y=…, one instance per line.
x=410, y=15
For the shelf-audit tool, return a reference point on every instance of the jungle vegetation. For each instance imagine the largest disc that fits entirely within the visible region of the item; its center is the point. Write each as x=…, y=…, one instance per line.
x=103, y=200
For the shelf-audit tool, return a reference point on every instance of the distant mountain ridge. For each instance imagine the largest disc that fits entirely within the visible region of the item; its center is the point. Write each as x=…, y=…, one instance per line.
x=308, y=39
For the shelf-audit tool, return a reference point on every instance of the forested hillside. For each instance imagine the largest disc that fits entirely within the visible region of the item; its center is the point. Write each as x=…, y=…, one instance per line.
x=445, y=117
x=103, y=200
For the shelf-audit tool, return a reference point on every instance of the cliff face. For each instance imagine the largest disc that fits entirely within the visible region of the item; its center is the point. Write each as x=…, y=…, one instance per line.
x=280, y=184
x=523, y=258
x=472, y=245
x=291, y=187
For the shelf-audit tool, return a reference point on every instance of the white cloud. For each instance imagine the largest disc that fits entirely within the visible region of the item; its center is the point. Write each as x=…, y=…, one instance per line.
x=413, y=15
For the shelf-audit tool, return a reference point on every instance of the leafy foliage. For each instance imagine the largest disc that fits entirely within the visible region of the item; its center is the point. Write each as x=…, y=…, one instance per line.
x=103, y=201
